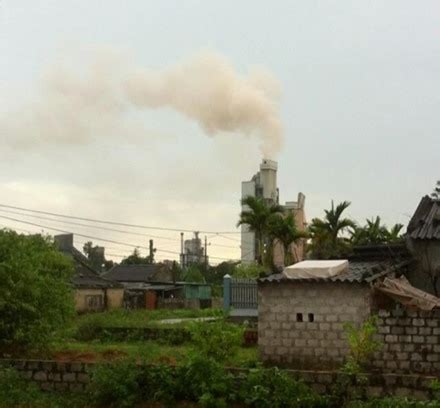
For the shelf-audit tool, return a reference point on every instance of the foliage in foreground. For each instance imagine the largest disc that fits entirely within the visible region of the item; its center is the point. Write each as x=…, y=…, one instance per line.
x=35, y=294
x=216, y=340
x=201, y=381
x=16, y=392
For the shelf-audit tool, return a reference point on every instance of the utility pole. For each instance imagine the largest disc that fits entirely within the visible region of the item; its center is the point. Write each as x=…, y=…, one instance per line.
x=206, y=253
x=152, y=250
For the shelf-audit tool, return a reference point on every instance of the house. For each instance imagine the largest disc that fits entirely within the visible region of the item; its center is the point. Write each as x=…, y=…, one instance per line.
x=423, y=241
x=302, y=311
x=92, y=291
x=153, y=285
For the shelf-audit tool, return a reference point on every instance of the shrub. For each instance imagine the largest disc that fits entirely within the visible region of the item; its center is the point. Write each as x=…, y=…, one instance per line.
x=274, y=388
x=157, y=383
x=116, y=385
x=206, y=381
x=35, y=293
x=15, y=391
x=362, y=344
x=217, y=340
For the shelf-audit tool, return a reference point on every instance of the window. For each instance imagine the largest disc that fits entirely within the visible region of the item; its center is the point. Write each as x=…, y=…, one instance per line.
x=299, y=317
x=94, y=302
x=311, y=317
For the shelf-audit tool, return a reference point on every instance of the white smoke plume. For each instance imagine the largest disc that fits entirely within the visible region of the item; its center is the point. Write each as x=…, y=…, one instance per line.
x=77, y=107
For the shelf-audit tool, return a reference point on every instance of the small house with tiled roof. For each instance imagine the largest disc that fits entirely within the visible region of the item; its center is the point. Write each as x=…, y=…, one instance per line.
x=302, y=311
x=92, y=291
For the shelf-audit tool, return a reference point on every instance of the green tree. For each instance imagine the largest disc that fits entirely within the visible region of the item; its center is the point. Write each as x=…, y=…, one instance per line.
x=284, y=230
x=327, y=241
x=250, y=271
x=193, y=274
x=35, y=291
x=96, y=257
x=257, y=219
x=136, y=259
x=375, y=233
x=393, y=234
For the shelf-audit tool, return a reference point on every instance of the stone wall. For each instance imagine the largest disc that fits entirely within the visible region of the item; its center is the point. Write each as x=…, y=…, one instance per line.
x=300, y=324
x=53, y=375
x=410, y=341
x=74, y=376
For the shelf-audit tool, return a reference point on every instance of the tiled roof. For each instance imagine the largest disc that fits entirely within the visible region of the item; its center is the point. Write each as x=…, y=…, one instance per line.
x=85, y=276
x=132, y=273
x=358, y=272
x=425, y=223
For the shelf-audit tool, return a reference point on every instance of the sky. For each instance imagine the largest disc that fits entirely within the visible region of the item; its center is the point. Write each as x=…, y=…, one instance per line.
x=351, y=88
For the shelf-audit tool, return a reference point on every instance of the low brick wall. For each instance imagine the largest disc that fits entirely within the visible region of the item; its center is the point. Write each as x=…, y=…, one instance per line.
x=410, y=342
x=74, y=376
x=53, y=375
x=145, y=333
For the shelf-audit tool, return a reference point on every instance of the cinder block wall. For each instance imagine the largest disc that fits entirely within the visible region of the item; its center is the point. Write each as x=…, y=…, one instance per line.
x=319, y=340
x=410, y=341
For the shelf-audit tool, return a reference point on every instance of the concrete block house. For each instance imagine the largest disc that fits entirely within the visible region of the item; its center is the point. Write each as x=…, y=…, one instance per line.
x=301, y=321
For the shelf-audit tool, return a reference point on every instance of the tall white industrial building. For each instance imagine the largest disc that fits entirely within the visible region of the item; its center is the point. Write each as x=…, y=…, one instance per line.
x=264, y=184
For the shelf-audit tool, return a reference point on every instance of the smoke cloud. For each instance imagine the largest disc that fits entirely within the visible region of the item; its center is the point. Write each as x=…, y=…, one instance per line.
x=81, y=106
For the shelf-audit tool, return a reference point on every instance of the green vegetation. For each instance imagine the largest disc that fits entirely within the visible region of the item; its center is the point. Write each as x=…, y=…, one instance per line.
x=218, y=340
x=327, y=234
x=374, y=233
x=257, y=218
x=35, y=294
x=362, y=344
x=16, y=392
x=335, y=235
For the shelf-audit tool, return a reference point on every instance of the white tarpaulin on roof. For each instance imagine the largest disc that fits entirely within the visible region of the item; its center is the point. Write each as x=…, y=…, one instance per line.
x=315, y=269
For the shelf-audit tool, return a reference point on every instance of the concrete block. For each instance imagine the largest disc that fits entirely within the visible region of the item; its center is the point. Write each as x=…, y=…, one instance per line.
x=425, y=331
x=324, y=326
x=69, y=377
x=411, y=330
x=418, y=322
x=40, y=376
x=432, y=339
x=390, y=338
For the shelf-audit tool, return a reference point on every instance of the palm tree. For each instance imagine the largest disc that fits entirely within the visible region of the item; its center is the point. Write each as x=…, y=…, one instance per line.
x=326, y=239
x=394, y=235
x=284, y=230
x=257, y=219
x=374, y=233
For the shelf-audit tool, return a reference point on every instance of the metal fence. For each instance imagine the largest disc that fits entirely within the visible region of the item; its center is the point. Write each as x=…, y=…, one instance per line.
x=240, y=293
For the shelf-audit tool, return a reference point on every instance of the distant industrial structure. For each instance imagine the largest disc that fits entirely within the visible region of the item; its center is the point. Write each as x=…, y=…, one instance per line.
x=264, y=185
x=192, y=251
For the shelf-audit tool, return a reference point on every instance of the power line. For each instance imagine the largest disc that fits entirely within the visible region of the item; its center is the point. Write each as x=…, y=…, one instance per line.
x=90, y=226
x=114, y=222
x=105, y=228
x=97, y=238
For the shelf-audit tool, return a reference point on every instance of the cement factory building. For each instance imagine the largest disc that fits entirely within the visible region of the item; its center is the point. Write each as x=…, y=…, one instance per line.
x=264, y=185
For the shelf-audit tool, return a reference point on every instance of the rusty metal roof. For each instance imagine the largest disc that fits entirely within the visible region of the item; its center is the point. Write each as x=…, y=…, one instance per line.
x=425, y=223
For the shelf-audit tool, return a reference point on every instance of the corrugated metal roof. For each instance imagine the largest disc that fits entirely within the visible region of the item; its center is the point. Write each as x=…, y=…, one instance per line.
x=357, y=272
x=425, y=223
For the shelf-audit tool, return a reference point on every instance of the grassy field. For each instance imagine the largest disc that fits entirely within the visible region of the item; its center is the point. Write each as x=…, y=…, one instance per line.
x=69, y=346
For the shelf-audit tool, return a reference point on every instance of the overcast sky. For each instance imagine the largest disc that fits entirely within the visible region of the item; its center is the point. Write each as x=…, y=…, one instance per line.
x=359, y=105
